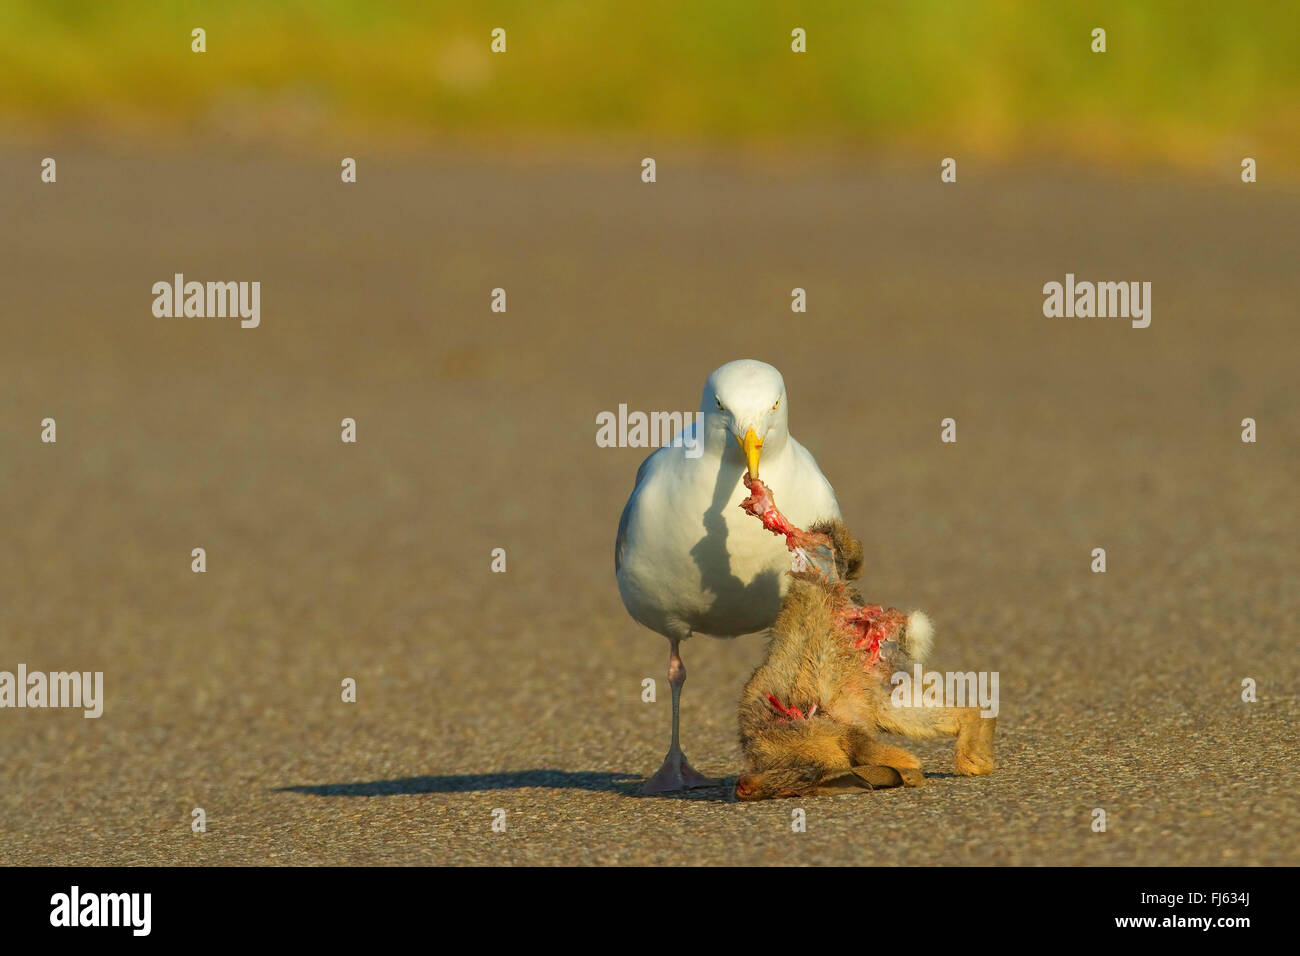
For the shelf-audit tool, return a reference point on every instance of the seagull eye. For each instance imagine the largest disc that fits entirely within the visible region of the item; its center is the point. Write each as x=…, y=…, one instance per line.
x=719, y=401
x=776, y=404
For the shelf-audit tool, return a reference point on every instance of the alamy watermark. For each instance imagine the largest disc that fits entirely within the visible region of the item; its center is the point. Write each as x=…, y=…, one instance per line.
x=1122, y=300
x=923, y=688
x=208, y=300
x=83, y=689
x=626, y=429
x=75, y=908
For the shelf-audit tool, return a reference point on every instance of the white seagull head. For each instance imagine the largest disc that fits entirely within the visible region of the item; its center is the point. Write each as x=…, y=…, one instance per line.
x=746, y=400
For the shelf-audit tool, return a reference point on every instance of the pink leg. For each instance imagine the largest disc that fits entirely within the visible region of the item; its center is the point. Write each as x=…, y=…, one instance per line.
x=676, y=772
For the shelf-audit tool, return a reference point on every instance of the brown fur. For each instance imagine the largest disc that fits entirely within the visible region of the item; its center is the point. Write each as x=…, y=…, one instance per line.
x=811, y=663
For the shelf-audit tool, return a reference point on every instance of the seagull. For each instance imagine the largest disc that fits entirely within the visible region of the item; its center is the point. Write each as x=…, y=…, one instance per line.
x=687, y=558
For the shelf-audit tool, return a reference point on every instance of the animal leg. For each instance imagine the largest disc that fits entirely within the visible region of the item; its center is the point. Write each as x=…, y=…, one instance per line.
x=974, y=733
x=676, y=772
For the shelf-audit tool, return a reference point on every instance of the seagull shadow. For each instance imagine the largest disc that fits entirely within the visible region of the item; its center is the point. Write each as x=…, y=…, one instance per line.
x=627, y=784
x=761, y=596
x=473, y=782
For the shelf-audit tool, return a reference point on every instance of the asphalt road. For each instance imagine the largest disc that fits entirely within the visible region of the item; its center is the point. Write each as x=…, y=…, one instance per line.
x=522, y=691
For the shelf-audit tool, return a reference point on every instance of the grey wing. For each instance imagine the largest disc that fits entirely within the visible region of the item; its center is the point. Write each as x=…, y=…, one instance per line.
x=627, y=512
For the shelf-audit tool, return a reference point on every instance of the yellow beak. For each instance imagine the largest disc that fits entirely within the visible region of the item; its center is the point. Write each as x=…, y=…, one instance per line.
x=752, y=446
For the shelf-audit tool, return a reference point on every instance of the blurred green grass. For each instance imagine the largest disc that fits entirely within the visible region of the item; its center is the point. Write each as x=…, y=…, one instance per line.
x=1182, y=82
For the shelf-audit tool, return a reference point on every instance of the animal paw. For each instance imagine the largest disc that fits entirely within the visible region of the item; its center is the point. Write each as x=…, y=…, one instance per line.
x=975, y=747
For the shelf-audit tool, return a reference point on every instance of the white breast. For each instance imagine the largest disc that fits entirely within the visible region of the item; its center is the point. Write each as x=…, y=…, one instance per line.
x=694, y=562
